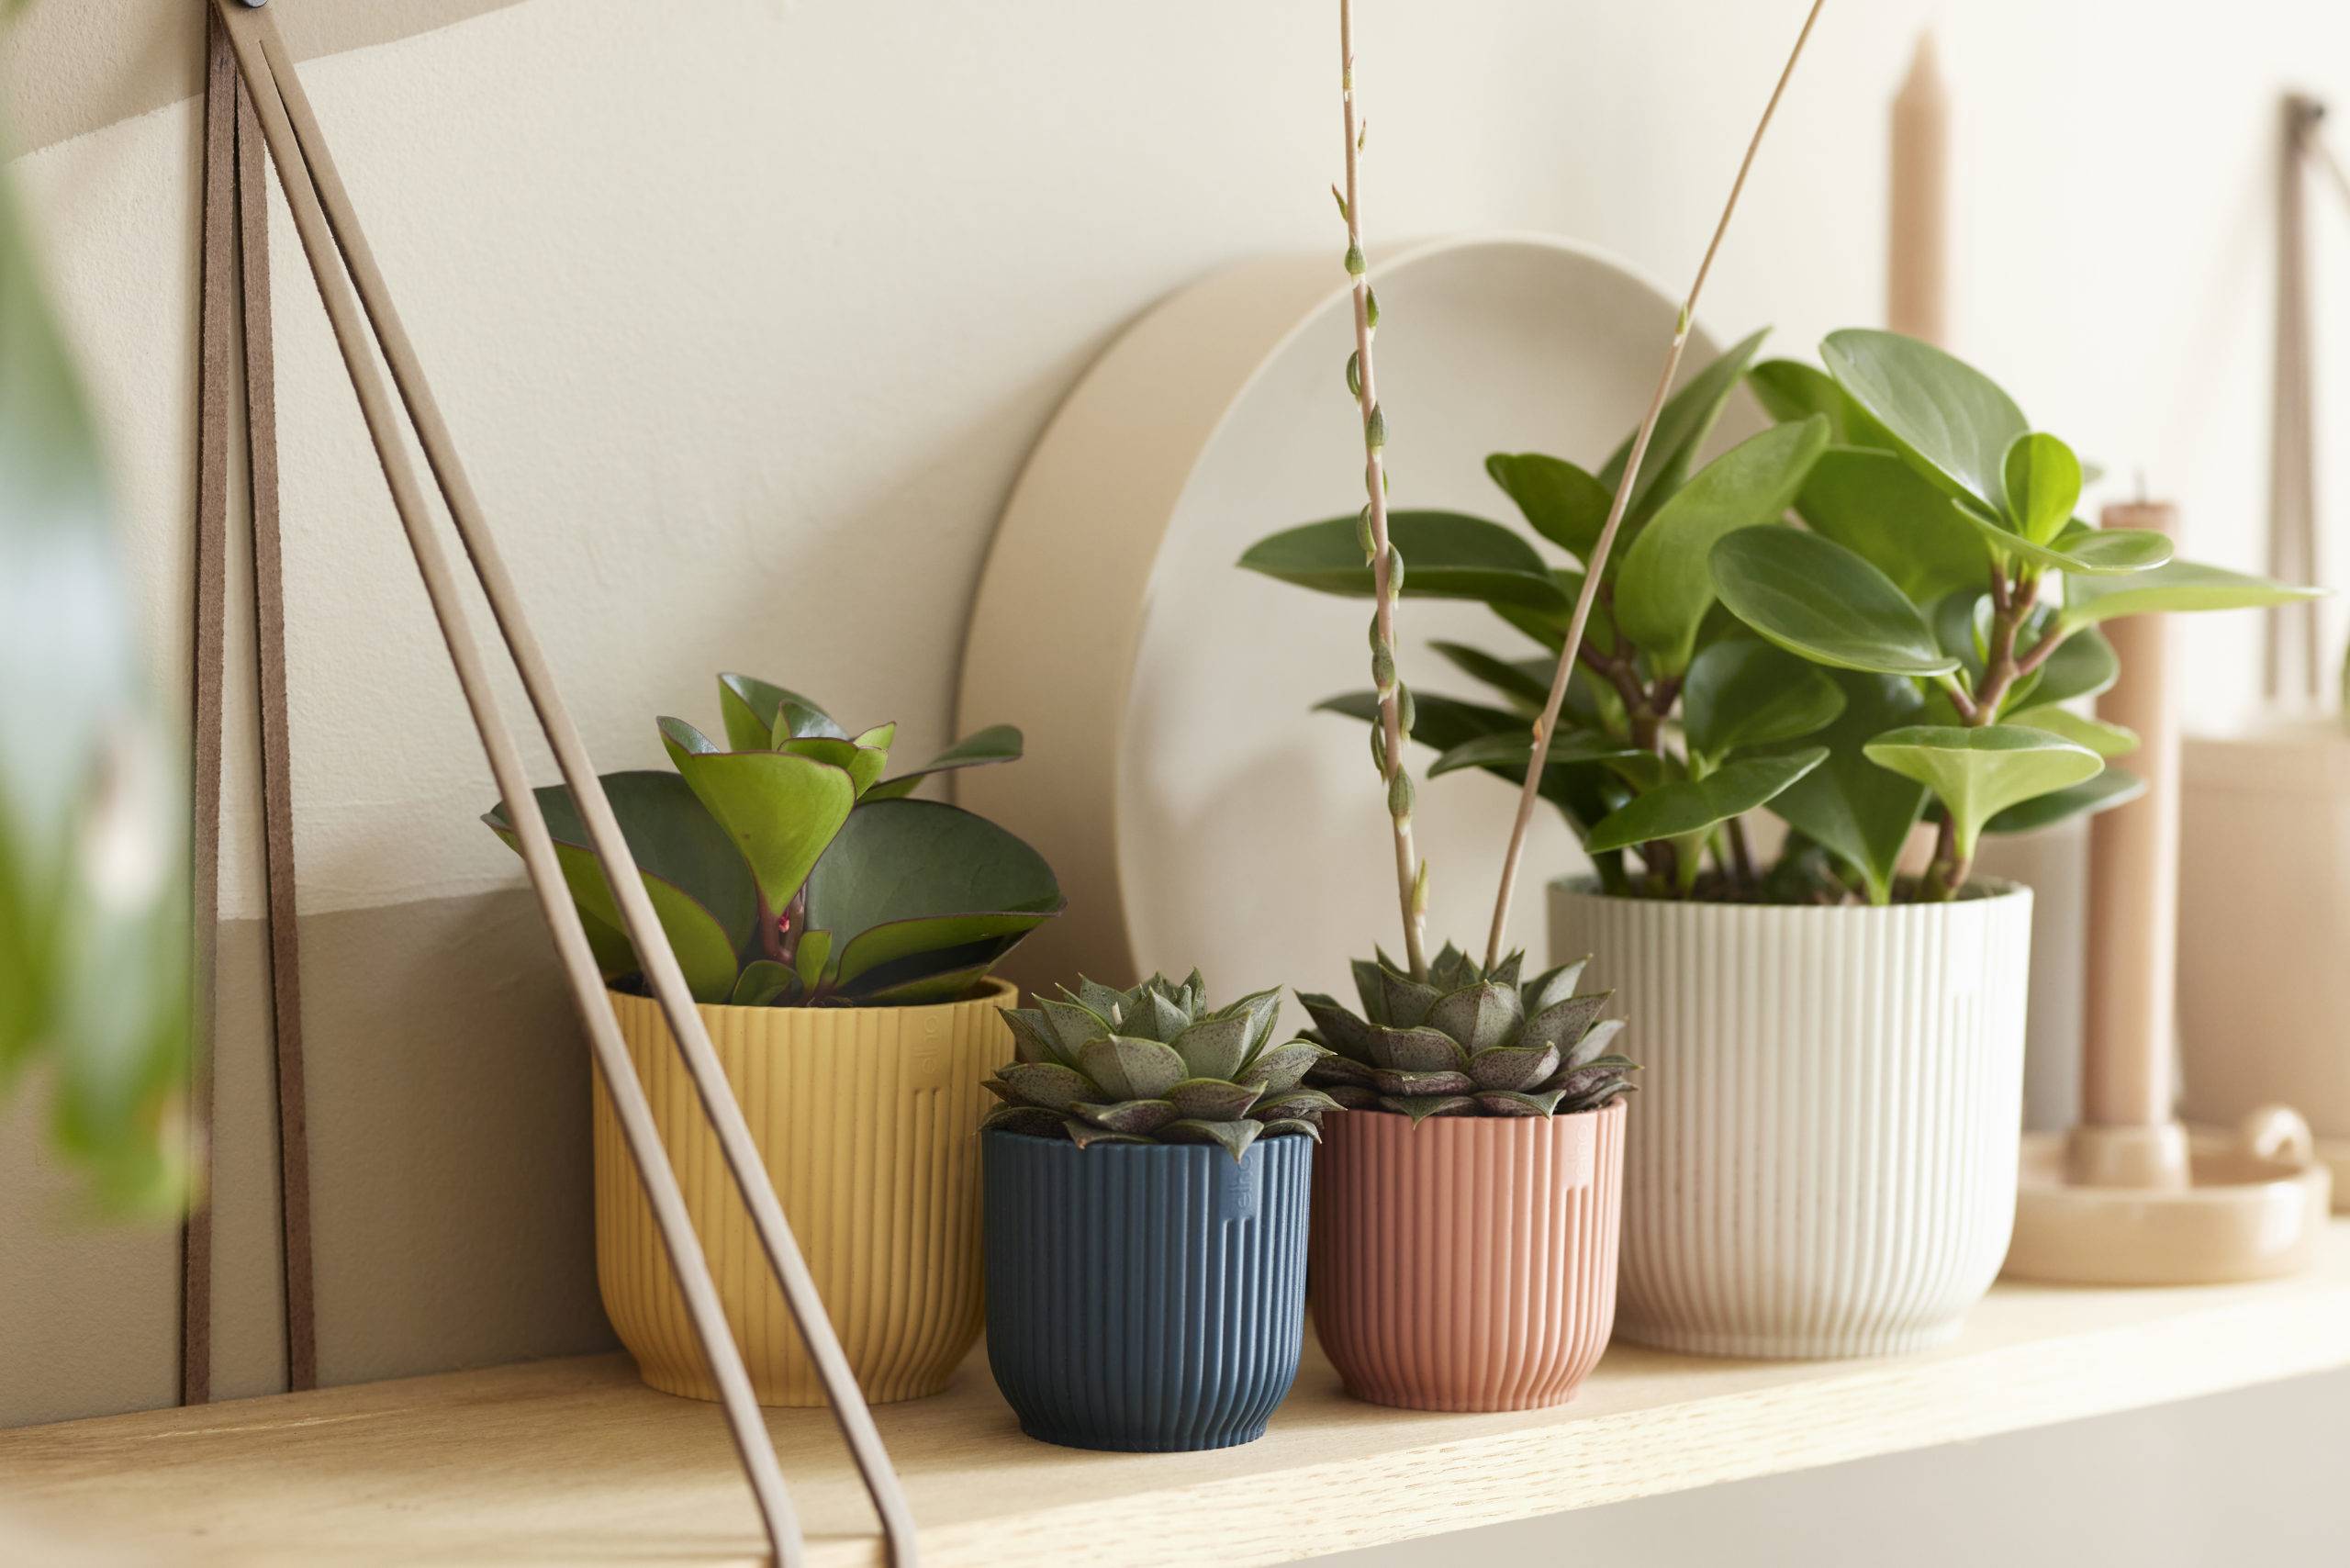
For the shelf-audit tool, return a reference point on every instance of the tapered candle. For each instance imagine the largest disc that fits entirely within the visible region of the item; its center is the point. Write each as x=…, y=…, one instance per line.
x=2126, y=1072
x=1917, y=278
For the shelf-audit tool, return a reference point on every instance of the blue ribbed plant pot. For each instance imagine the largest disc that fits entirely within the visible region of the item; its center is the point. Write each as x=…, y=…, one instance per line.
x=1148, y=1298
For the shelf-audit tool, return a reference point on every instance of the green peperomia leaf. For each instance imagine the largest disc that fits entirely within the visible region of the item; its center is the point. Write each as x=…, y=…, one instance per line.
x=2178, y=586
x=1561, y=502
x=2106, y=740
x=782, y=811
x=1854, y=809
x=997, y=743
x=1666, y=587
x=1945, y=416
x=1510, y=751
x=908, y=878
x=1885, y=511
x=1790, y=389
x=2077, y=548
x=2043, y=481
x=749, y=706
x=1446, y=555
x=2083, y=665
x=700, y=888
x=1691, y=806
x=1814, y=597
x=1978, y=773
x=1681, y=427
x=1524, y=681
x=1743, y=694
x=2111, y=788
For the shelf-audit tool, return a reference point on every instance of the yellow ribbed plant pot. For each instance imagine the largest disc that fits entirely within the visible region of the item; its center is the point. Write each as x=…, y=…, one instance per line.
x=868, y=1118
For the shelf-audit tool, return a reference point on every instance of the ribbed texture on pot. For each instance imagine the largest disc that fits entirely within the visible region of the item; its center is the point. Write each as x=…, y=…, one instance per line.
x=867, y=1118
x=1146, y=1298
x=1825, y=1160
x=1469, y=1262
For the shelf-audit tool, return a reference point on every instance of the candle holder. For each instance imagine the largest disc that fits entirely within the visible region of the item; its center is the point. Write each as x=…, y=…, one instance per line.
x=2130, y=1197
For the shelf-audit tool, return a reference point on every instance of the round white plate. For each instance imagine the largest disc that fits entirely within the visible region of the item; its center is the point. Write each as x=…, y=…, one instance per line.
x=1196, y=810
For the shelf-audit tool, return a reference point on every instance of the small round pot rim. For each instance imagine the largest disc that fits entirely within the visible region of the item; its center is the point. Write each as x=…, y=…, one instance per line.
x=995, y=989
x=1145, y=1150
x=1614, y=1106
x=1999, y=891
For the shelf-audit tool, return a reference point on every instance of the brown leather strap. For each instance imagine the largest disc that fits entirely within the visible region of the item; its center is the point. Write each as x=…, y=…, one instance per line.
x=213, y=387
x=276, y=750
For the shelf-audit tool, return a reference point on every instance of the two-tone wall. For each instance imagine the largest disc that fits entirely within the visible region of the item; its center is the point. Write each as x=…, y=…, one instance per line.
x=745, y=313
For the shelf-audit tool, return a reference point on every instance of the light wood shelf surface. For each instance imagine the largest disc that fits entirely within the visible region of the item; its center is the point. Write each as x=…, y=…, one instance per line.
x=573, y=1462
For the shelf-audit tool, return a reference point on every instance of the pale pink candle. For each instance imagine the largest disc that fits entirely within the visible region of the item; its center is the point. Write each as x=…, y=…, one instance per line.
x=1917, y=277
x=2126, y=1074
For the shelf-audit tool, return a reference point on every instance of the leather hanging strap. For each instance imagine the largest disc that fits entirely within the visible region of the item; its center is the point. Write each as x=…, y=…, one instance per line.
x=276, y=750
x=236, y=284
x=215, y=386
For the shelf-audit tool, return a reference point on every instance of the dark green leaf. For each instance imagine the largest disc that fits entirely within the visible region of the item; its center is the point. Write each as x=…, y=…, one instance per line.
x=907, y=878
x=2077, y=548
x=1564, y=504
x=701, y=889
x=1510, y=753
x=1745, y=693
x=1856, y=810
x=1790, y=389
x=1815, y=597
x=1882, y=510
x=1693, y=806
x=2114, y=787
x=1447, y=555
x=1524, y=681
x=1946, y=417
x=1665, y=588
x=749, y=706
x=997, y=743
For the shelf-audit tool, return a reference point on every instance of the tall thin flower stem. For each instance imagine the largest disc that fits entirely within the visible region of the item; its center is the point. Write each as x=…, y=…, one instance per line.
x=1593, y=567
x=1411, y=873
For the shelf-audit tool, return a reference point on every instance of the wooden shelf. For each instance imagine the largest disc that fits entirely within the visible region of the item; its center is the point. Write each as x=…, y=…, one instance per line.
x=574, y=1462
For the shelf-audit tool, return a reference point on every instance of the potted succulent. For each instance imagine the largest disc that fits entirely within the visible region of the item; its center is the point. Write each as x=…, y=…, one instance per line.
x=1468, y=1204
x=838, y=936
x=1465, y=1224
x=1148, y=1174
x=1829, y=1164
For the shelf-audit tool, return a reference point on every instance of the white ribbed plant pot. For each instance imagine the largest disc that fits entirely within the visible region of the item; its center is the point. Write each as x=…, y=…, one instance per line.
x=1821, y=1160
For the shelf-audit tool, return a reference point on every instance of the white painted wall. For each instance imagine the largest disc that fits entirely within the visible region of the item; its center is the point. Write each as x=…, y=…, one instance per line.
x=746, y=312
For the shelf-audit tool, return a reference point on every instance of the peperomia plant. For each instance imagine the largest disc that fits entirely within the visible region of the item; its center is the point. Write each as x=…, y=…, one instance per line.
x=1895, y=648
x=787, y=870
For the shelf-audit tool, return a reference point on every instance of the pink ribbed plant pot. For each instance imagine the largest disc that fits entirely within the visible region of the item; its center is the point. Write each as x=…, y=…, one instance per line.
x=1469, y=1262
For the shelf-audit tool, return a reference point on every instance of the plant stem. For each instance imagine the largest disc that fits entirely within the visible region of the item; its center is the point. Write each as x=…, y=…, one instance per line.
x=1741, y=858
x=1411, y=889
x=2011, y=605
x=1595, y=568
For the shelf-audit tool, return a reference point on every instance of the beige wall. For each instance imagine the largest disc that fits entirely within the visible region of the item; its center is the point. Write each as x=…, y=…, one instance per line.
x=745, y=314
